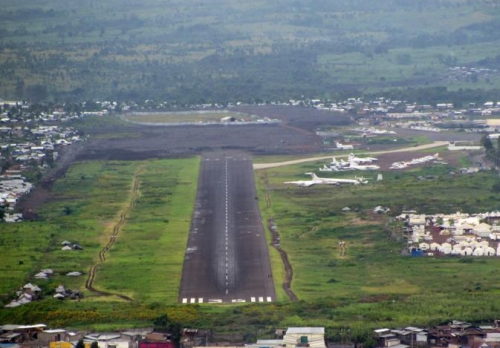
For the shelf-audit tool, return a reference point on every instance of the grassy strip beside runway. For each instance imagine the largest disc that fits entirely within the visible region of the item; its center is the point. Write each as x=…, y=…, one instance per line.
x=83, y=209
x=147, y=258
x=311, y=224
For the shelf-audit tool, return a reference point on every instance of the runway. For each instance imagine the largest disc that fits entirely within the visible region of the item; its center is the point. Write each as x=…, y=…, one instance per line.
x=227, y=258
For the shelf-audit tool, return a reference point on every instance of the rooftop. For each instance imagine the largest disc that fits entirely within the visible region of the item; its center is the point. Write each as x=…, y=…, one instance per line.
x=306, y=330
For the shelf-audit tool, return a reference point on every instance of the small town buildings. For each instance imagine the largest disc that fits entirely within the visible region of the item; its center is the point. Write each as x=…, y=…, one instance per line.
x=304, y=337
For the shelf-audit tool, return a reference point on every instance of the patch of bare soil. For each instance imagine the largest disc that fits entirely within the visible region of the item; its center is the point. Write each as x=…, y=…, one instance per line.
x=30, y=203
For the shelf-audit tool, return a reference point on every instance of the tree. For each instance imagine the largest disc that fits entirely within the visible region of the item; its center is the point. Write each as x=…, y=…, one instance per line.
x=2, y=213
x=496, y=187
x=37, y=93
x=486, y=142
x=164, y=324
x=80, y=344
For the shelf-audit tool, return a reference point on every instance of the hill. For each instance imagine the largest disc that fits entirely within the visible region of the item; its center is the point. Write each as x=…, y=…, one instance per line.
x=199, y=51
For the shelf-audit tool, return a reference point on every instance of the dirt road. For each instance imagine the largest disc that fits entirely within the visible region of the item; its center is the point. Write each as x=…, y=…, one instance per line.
x=258, y=166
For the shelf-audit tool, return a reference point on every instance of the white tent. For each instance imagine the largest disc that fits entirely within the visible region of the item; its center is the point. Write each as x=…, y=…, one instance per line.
x=446, y=246
x=73, y=274
x=482, y=230
x=446, y=251
x=478, y=252
x=459, y=231
x=466, y=252
x=474, y=244
x=489, y=251
x=424, y=246
x=435, y=246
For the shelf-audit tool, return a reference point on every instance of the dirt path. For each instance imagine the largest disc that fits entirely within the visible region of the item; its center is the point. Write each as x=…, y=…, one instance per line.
x=258, y=166
x=287, y=283
x=275, y=243
x=89, y=284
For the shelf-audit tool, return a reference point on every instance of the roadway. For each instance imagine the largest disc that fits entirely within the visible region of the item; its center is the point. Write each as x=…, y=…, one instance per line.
x=312, y=159
x=227, y=258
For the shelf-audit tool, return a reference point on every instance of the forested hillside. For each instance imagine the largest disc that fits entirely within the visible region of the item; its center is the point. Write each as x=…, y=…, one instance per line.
x=192, y=51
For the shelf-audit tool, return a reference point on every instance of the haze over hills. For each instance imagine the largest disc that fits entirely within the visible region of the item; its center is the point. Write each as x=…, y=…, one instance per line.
x=223, y=51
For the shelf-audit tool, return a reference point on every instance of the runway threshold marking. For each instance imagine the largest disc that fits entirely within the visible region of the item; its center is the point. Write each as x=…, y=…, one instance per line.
x=193, y=300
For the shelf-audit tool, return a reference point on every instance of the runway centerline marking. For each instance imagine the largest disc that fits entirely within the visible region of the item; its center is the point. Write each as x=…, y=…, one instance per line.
x=227, y=224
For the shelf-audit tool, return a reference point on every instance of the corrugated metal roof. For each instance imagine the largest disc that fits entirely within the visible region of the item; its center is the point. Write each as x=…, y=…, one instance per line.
x=306, y=330
x=270, y=342
x=9, y=327
x=54, y=331
x=400, y=346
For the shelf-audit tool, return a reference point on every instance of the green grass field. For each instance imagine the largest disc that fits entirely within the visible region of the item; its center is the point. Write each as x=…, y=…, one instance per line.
x=373, y=285
x=146, y=261
x=311, y=223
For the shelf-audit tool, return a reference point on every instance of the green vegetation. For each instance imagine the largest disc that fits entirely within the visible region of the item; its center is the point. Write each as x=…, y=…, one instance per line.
x=373, y=285
x=146, y=261
x=222, y=51
x=148, y=256
x=311, y=224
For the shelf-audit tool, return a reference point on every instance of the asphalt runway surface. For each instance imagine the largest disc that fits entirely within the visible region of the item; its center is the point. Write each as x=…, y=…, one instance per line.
x=227, y=257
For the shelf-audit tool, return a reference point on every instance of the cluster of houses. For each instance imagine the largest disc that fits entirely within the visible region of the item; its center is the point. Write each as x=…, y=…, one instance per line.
x=28, y=142
x=456, y=234
x=30, y=336
x=453, y=335
x=39, y=335
x=466, y=73
x=12, y=187
x=25, y=294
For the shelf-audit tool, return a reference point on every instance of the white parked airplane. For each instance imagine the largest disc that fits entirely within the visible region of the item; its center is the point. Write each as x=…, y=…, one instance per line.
x=343, y=147
x=326, y=181
x=406, y=164
x=356, y=166
x=361, y=160
x=340, y=166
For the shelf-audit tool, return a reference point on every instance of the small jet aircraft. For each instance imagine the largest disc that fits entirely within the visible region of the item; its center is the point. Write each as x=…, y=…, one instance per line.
x=343, y=147
x=315, y=180
x=361, y=160
x=421, y=160
x=357, y=166
x=341, y=166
